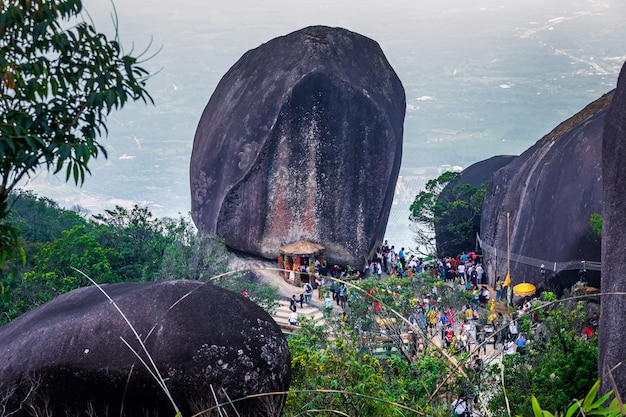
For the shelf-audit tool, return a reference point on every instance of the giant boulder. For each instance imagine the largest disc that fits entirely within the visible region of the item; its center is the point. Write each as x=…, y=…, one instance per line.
x=302, y=138
x=612, y=349
x=550, y=192
x=203, y=339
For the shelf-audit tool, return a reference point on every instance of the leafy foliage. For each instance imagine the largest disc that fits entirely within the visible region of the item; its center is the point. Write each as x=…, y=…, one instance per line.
x=451, y=209
x=53, y=274
x=560, y=365
x=139, y=238
x=319, y=364
x=59, y=80
x=40, y=219
x=119, y=245
x=191, y=255
x=401, y=383
x=591, y=405
x=595, y=220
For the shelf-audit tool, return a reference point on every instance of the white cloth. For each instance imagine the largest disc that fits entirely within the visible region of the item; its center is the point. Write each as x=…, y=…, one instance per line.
x=293, y=318
x=510, y=348
x=459, y=406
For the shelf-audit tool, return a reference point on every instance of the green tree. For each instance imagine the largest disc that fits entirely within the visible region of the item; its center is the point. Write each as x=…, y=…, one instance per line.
x=192, y=255
x=595, y=220
x=53, y=273
x=446, y=215
x=40, y=219
x=118, y=245
x=320, y=364
x=560, y=364
x=59, y=80
x=140, y=239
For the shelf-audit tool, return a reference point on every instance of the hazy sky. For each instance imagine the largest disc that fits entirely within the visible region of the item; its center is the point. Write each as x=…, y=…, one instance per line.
x=482, y=78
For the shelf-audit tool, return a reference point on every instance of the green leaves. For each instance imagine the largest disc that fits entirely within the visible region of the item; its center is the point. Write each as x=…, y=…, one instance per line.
x=59, y=79
x=590, y=406
x=595, y=220
x=450, y=208
x=119, y=245
x=357, y=381
x=560, y=364
x=537, y=411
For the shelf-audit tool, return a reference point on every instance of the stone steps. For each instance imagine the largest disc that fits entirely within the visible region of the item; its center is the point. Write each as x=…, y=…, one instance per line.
x=501, y=307
x=282, y=312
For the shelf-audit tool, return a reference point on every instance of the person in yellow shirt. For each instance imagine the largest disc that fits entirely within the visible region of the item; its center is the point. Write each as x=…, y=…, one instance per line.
x=433, y=318
x=469, y=313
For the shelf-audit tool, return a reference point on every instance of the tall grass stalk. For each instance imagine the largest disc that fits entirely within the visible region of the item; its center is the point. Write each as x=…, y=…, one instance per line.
x=153, y=370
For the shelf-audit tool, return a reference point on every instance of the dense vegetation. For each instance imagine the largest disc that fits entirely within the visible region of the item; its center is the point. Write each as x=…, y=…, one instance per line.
x=59, y=80
x=119, y=245
x=360, y=364
x=368, y=368
x=450, y=210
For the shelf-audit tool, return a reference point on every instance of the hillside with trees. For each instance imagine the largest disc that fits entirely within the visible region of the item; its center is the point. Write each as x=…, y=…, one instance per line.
x=361, y=363
x=120, y=245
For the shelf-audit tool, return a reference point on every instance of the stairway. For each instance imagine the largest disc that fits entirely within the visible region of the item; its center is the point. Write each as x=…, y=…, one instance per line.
x=501, y=307
x=281, y=315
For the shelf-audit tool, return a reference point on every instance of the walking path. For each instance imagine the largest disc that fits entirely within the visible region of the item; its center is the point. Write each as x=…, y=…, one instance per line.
x=272, y=276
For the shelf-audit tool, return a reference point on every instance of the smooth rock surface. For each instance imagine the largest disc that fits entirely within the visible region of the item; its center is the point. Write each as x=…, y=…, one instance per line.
x=200, y=337
x=550, y=191
x=612, y=349
x=302, y=138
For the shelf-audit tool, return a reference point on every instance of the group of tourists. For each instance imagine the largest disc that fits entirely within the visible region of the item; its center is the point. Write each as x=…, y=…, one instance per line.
x=329, y=283
x=476, y=328
x=466, y=267
x=396, y=263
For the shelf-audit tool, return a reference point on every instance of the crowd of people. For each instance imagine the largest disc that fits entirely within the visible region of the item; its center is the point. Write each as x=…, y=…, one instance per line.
x=477, y=327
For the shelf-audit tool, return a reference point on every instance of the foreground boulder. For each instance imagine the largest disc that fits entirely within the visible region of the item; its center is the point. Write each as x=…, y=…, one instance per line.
x=550, y=191
x=302, y=138
x=69, y=357
x=612, y=349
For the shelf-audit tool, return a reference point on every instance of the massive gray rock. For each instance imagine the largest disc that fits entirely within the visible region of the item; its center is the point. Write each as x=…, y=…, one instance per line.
x=612, y=349
x=302, y=138
x=550, y=191
x=201, y=338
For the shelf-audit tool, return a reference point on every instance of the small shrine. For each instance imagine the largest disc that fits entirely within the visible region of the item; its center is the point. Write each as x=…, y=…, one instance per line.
x=297, y=260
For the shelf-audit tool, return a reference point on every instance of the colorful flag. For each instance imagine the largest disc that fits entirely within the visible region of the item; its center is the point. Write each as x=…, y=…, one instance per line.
x=507, y=280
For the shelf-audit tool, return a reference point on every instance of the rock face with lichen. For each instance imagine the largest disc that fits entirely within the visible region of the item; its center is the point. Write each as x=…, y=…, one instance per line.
x=72, y=351
x=302, y=138
x=612, y=349
x=550, y=191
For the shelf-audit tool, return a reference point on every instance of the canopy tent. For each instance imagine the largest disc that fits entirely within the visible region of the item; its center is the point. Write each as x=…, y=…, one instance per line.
x=301, y=248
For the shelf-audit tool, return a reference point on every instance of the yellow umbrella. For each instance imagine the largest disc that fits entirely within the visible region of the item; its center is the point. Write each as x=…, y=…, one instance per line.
x=524, y=289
